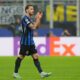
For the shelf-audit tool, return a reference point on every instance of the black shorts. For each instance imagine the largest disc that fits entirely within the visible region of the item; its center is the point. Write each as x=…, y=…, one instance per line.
x=27, y=50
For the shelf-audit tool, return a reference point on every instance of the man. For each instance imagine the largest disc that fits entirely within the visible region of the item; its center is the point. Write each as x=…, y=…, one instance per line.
x=27, y=46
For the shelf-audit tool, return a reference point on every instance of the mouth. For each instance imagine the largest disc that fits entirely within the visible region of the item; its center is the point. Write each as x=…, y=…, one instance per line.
x=32, y=12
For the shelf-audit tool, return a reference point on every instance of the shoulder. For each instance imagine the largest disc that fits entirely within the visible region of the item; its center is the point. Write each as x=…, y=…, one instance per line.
x=24, y=17
x=26, y=20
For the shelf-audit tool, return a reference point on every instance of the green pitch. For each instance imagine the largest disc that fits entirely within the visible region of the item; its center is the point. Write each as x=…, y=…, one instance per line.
x=62, y=68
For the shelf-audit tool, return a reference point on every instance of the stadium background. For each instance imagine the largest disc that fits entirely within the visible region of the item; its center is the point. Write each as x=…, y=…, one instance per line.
x=57, y=39
x=58, y=16
x=60, y=19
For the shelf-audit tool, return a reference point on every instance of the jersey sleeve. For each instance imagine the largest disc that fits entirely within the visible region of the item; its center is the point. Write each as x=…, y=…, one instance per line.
x=27, y=20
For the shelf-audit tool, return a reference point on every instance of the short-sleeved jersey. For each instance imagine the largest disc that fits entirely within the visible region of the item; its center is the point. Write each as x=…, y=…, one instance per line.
x=27, y=32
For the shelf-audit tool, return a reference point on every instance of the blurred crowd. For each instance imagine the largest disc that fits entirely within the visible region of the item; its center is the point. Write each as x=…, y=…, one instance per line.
x=13, y=28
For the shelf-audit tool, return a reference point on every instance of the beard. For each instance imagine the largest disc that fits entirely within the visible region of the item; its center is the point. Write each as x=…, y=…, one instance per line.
x=31, y=14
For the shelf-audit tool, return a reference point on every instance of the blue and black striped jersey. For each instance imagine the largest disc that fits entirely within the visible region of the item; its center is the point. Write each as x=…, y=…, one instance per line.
x=27, y=32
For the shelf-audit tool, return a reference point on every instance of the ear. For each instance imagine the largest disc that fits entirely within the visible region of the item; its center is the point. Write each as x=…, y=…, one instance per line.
x=26, y=10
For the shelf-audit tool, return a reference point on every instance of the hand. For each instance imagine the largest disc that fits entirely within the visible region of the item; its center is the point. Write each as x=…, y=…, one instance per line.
x=39, y=15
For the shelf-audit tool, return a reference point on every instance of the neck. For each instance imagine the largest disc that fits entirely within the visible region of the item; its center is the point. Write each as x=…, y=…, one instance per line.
x=28, y=15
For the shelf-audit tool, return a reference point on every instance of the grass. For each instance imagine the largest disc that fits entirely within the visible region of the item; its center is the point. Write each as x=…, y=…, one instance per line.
x=62, y=68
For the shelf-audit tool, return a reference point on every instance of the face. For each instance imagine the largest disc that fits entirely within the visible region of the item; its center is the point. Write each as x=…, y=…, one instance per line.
x=30, y=10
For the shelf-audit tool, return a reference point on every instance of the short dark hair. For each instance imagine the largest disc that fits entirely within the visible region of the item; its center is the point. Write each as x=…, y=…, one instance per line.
x=27, y=6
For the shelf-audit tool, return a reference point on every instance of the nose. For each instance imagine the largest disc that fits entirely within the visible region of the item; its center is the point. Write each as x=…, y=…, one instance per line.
x=33, y=10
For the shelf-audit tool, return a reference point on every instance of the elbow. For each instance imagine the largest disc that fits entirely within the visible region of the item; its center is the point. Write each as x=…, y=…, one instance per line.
x=33, y=28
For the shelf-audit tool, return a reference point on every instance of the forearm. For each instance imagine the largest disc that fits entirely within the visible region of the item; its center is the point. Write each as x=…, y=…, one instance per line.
x=37, y=23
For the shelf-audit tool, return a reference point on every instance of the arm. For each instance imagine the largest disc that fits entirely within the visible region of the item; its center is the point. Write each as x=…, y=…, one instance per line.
x=37, y=22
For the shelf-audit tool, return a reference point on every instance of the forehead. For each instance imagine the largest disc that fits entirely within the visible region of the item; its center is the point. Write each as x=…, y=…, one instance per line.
x=31, y=7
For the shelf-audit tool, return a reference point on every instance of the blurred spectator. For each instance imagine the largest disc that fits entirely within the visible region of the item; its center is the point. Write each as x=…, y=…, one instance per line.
x=50, y=34
x=16, y=27
x=66, y=33
x=11, y=27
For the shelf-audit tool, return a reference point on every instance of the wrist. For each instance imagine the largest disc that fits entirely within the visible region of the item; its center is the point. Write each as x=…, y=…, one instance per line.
x=38, y=19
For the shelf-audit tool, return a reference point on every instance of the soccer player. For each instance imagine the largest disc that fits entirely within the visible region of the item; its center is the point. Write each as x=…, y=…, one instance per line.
x=27, y=45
